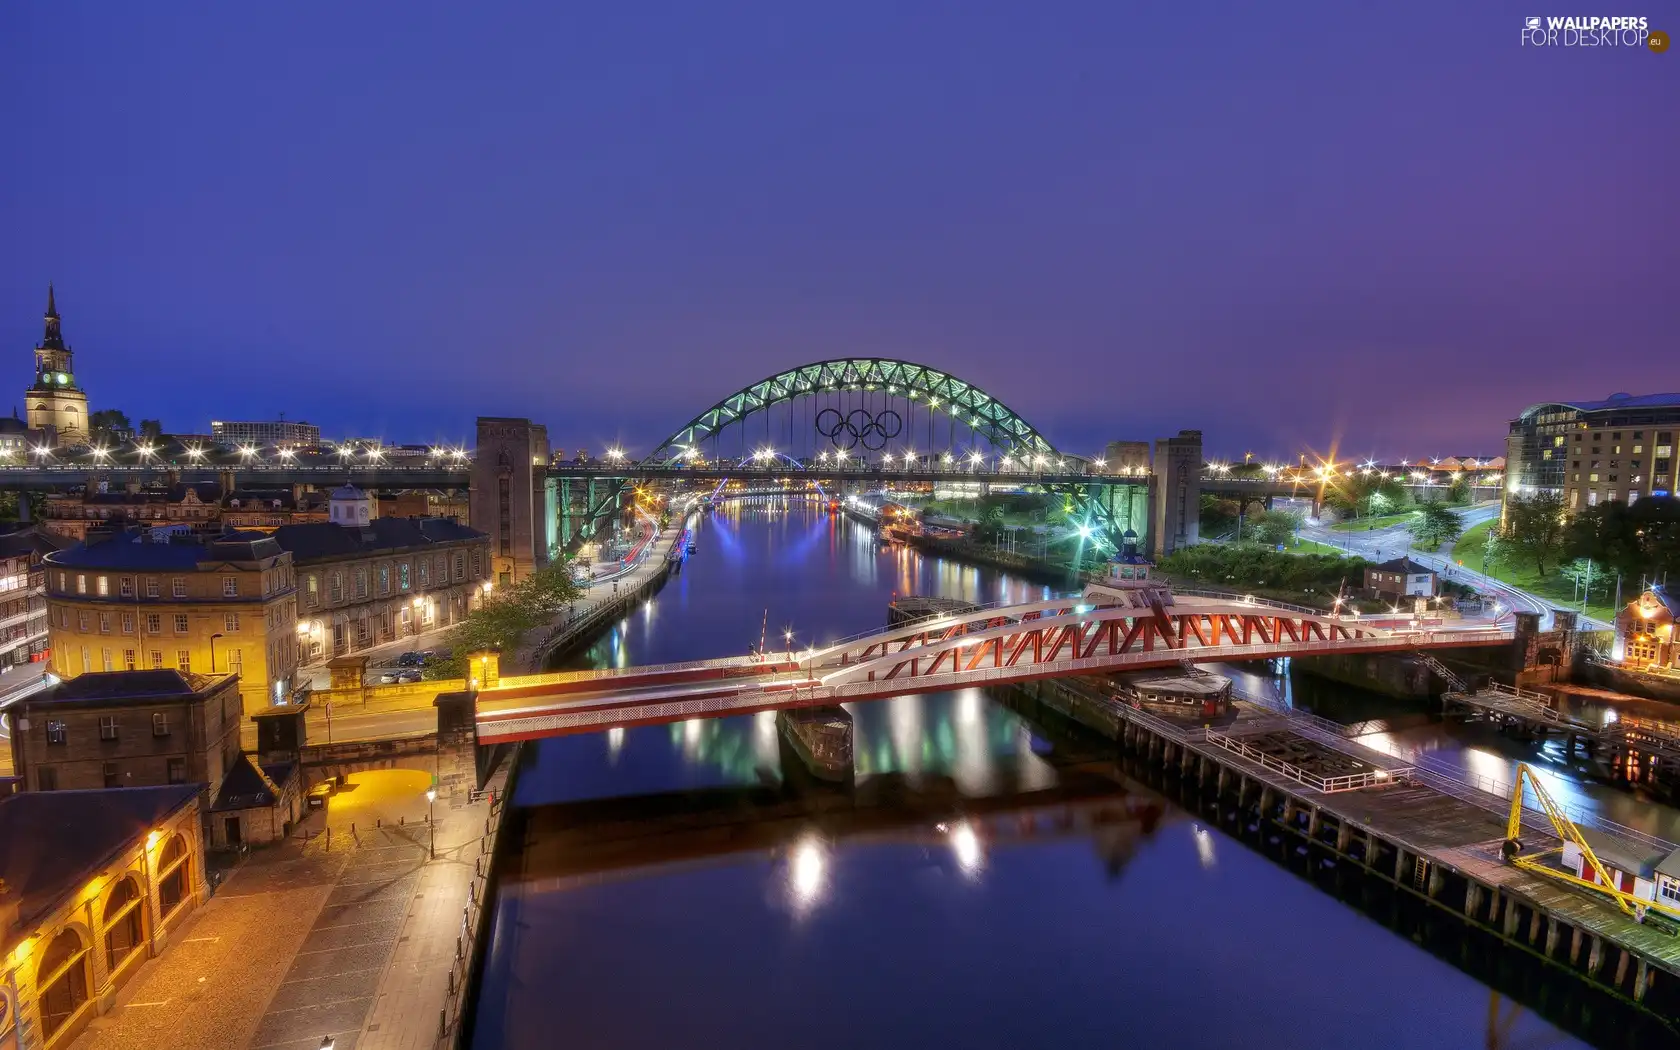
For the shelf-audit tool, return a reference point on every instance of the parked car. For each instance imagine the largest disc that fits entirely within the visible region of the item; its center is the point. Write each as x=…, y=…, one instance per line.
x=410, y=675
x=389, y=678
x=412, y=658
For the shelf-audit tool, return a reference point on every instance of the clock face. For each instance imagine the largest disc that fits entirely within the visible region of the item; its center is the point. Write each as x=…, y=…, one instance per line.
x=63, y=379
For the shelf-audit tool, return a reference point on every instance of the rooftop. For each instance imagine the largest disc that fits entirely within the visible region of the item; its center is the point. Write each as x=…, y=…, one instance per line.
x=1611, y=403
x=250, y=785
x=125, y=685
x=1404, y=565
x=128, y=551
x=53, y=842
x=321, y=540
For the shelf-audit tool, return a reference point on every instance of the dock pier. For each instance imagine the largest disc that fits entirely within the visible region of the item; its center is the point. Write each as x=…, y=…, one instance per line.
x=1433, y=841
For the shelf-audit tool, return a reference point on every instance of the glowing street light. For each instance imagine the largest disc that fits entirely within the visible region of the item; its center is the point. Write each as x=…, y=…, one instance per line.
x=195, y=453
x=247, y=451
x=41, y=450
x=144, y=451
x=100, y=452
x=615, y=454
x=287, y=454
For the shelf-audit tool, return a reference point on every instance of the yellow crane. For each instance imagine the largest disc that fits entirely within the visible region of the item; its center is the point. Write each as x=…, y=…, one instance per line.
x=1512, y=851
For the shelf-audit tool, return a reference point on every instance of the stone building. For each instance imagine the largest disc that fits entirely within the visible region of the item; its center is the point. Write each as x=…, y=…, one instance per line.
x=216, y=604
x=203, y=507
x=128, y=729
x=258, y=803
x=367, y=580
x=55, y=404
x=513, y=498
x=92, y=884
x=23, y=593
x=1645, y=632
x=1176, y=493
x=1400, y=578
x=425, y=503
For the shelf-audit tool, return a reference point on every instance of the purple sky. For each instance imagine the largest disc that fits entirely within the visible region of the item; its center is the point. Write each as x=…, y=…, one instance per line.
x=1282, y=224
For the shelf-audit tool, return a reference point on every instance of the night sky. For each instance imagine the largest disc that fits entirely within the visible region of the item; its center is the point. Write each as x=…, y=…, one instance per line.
x=1282, y=224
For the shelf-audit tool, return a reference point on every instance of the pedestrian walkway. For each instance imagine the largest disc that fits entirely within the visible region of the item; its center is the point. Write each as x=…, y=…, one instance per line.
x=348, y=935
x=601, y=596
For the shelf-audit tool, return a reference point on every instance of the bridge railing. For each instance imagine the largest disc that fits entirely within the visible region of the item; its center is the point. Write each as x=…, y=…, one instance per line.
x=1005, y=603
x=1249, y=599
x=1328, y=785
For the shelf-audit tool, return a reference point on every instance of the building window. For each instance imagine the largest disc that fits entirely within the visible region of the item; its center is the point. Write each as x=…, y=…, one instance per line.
x=107, y=727
x=311, y=590
x=102, y=585
x=128, y=623
x=46, y=778
x=105, y=659
x=157, y=659
x=154, y=623
x=58, y=733
x=177, y=771
x=460, y=567
x=183, y=661
x=361, y=581
x=425, y=572
x=160, y=723
x=178, y=587
x=123, y=931
x=335, y=587
x=230, y=623
x=104, y=623
x=63, y=980
x=151, y=587
x=113, y=775
x=87, y=661
x=402, y=576
x=63, y=585
x=1670, y=889
x=230, y=586
x=180, y=623
x=477, y=563
x=236, y=661
x=128, y=659
x=82, y=622
x=125, y=586
x=384, y=579
x=81, y=583
x=172, y=875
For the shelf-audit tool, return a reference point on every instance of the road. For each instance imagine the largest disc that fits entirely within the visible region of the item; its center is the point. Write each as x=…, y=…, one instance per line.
x=1395, y=541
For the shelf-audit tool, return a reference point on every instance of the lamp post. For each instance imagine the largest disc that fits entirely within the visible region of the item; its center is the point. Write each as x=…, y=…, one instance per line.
x=431, y=824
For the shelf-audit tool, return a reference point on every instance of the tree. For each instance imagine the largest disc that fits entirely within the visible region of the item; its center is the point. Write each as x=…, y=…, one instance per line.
x=505, y=618
x=109, y=424
x=1535, y=528
x=151, y=428
x=1458, y=492
x=1274, y=528
x=1639, y=541
x=1433, y=524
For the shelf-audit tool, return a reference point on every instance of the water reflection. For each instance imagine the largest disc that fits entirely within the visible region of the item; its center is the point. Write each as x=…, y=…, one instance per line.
x=772, y=927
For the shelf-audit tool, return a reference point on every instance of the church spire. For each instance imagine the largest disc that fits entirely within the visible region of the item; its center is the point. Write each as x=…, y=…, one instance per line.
x=54, y=338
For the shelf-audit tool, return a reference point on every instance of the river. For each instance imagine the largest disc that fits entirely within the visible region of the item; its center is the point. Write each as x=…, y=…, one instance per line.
x=1166, y=933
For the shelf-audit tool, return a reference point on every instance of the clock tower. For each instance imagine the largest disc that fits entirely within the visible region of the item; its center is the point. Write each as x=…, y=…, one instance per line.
x=54, y=400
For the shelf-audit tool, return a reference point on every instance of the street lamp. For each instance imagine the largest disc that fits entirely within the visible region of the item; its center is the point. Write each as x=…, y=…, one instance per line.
x=431, y=823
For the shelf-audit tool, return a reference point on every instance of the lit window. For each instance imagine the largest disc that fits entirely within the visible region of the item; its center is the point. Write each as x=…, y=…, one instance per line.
x=178, y=587
x=81, y=583
x=103, y=586
x=151, y=587
x=230, y=586
x=107, y=727
x=180, y=623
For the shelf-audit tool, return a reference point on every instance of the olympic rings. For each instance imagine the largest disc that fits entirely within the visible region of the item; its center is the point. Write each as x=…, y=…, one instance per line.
x=859, y=427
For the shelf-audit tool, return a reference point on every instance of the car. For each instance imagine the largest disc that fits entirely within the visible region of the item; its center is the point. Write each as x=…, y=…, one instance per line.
x=411, y=675
x=409, y=659
x=389, y=678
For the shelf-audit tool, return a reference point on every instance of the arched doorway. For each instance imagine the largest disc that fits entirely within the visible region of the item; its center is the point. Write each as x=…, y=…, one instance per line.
x=63, y=981
x=172, y=872
x=124, y=923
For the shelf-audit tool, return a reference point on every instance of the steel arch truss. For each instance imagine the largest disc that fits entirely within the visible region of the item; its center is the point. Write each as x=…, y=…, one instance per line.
x=941, y=391
x=1109, y=638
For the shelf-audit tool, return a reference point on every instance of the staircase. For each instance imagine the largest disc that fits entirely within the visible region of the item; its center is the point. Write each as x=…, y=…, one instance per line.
x=1443, y=672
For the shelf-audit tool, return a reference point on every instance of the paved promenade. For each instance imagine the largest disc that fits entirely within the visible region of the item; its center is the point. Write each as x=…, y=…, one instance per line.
x=601, y=595
x=348, y=935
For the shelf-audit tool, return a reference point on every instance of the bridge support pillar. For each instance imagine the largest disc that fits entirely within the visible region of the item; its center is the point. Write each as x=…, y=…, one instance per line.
x=1472, y=899
x=1344, y=837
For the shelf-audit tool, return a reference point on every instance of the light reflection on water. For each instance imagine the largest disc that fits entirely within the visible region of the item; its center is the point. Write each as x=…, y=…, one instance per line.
x=838, y=943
